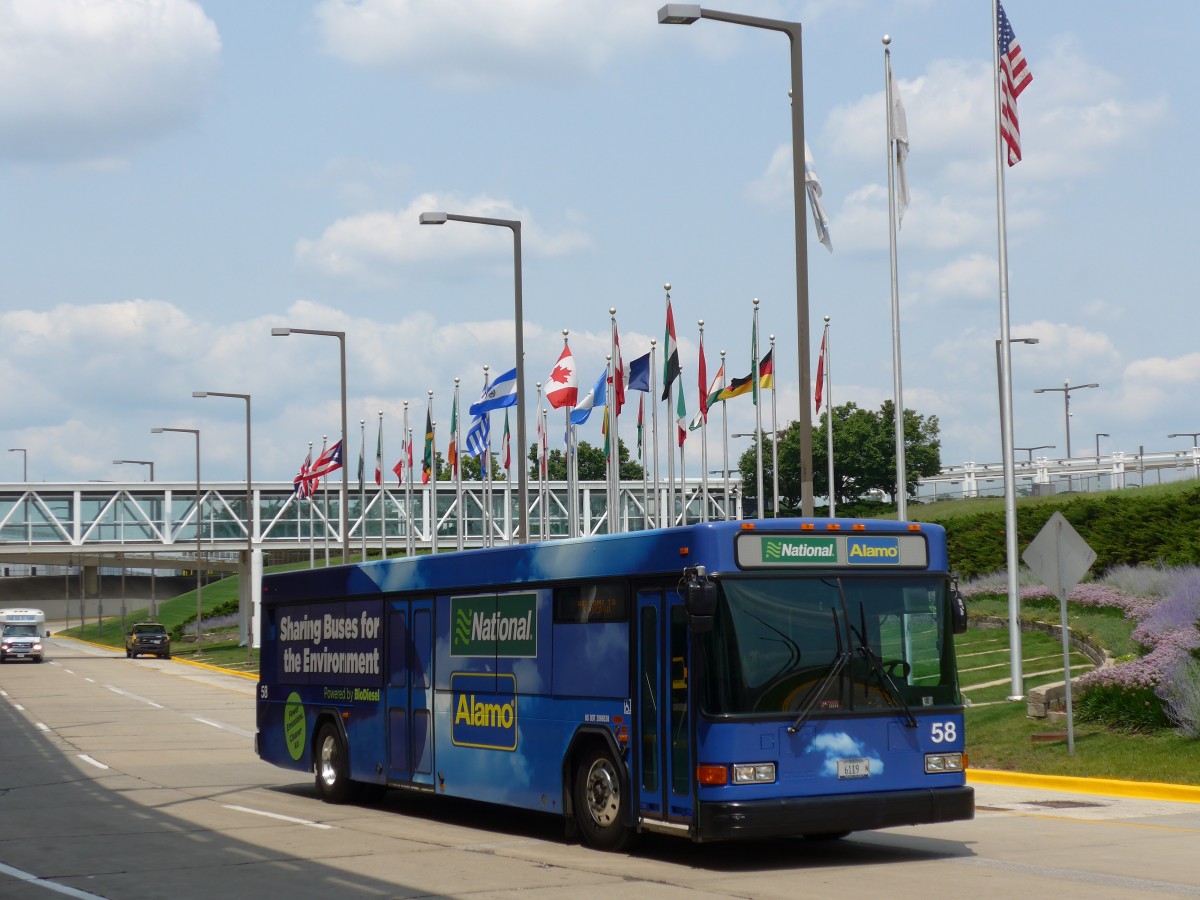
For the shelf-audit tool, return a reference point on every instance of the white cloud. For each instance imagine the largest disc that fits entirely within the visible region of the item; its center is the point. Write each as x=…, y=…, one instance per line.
x=472, y=44
x=81, y=80
x=371, y=247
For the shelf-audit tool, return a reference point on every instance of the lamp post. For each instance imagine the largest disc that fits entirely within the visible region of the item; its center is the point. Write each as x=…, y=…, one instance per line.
x=1030, y=450
x=199, y=584
x=342, y=511
x=1065, y=390
x=1099, y=435
x=246, y=589
x=441, y=218
x=136, y=462
x=24, y=461
x=686, y=14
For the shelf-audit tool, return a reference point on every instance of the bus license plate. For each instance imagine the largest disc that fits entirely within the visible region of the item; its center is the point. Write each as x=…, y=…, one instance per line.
x=853, y=768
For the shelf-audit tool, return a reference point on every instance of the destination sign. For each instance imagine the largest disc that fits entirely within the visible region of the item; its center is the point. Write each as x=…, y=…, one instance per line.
x=787, y=551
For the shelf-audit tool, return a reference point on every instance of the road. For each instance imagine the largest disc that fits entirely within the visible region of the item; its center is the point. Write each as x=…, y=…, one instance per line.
x=137, y=778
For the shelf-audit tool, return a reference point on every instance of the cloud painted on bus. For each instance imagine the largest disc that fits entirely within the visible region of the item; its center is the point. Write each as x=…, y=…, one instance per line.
x=839, y=745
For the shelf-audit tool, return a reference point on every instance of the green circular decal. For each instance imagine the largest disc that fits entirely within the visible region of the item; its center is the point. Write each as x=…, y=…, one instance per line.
x=293, y=725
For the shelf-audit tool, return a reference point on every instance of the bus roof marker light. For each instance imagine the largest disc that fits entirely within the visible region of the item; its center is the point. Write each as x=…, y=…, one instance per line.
x=858, y=526
x=747, y=526
x=914, y=526
x=808, y=526
x=832, y=526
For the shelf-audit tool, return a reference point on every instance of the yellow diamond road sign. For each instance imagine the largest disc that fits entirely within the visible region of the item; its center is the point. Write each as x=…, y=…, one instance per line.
x=1059, y=556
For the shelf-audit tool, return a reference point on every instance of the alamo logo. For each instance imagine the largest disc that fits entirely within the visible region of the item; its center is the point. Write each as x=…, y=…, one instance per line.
x=799, y=550
x=485, y=710
x=501, y=626
x=874, y=551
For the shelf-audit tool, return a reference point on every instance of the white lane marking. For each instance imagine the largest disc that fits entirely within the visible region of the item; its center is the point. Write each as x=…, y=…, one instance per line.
x=117, y=690
x=3, y=693
x=90, y=680
x=271, y=815
x=65, y=669
x=50, y=885
x=18, y=706
x=41, y=726
x=224, y=727
x=94, y=762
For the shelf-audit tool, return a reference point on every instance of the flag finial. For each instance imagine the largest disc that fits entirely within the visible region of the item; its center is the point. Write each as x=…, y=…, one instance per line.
x=887, y=39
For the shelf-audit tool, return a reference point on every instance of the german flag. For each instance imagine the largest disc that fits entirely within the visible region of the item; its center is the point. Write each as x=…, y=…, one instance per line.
x=737, y=387
x=766, y=371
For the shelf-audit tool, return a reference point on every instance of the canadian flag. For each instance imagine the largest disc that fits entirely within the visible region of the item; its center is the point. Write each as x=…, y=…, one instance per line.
x=562, y=386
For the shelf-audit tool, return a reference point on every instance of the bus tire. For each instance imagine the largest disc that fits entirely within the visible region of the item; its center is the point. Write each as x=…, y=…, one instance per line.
x=331, y=765
x=601, y=802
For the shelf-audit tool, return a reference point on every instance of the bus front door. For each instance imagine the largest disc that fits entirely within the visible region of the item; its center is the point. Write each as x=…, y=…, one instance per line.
x=664, y=753
x=409, y=692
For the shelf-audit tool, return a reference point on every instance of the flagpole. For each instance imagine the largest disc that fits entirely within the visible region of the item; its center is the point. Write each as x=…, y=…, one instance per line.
x=324, y=498
x=312, y=540
x=406, y=482
x=537, y=458
x=897, y=388
x=658, y=519
x=670, y=417
x=758, y=432
x=643, y=460
x=681, y=439
x=703, y=377
x=362, y=486
x=828, y=415
x=543, y=447
x=1017, y=688
x=411, y=532
x=774, y=434
x=456, y=468
x=610, y=460
x=382, y=491
x=725, y=442
x=432, y=502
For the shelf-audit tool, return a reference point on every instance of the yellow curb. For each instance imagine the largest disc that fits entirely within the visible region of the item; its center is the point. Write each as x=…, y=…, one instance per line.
x=252, y=676
x=1110, y=787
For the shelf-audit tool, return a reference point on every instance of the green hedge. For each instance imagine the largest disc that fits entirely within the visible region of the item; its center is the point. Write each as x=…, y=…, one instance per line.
x=1123, y=527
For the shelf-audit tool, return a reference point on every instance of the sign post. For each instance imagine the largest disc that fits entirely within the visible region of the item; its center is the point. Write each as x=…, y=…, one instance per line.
x=1060, y=557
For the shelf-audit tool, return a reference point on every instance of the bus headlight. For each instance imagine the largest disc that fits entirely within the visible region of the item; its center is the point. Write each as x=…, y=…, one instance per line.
x=754, y=773
x=943, y=762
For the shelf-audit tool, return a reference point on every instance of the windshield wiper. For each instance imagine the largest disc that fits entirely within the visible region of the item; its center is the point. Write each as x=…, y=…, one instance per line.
x=895, y=697
x=839, y=663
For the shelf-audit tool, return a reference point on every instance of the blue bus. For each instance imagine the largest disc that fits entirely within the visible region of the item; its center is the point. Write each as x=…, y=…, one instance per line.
x=714, y=681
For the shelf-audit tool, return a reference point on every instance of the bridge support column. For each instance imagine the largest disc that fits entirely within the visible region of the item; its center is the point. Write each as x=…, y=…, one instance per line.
x=255, y=579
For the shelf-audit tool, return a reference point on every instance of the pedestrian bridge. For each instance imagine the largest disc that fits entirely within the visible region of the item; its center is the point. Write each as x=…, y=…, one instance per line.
x=110, y=523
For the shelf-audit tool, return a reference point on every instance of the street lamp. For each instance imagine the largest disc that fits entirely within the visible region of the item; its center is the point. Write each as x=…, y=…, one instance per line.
x=246, y=587
x=686, y=14
x=1030, y=450
x=199, y=585
x=441, y=218
x=1194, y=435
x=1065, y=390
x=24, y=461
x=343, y=515
x=1099, y=435
x=136, y=462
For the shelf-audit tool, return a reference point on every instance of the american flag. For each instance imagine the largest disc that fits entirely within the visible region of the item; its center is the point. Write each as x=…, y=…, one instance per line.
x=1014, y=78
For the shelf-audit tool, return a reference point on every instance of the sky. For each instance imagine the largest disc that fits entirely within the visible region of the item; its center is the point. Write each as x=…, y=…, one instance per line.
x=181, y=176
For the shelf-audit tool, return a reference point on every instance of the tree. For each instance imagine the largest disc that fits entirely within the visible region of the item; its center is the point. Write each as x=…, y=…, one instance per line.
x=472, y=467
x=592, y=465
x=864, y=455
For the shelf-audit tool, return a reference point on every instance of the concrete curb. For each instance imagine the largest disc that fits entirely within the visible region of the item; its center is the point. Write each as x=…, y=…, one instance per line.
x=1108, y=787
x=251, y=676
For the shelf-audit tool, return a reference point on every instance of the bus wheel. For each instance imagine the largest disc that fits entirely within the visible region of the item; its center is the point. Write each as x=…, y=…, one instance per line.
x=600, y=804
x=333, y=775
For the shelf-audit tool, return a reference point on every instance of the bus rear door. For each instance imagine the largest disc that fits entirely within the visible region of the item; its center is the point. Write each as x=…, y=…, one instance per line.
x=409, y=692
x=664, y=763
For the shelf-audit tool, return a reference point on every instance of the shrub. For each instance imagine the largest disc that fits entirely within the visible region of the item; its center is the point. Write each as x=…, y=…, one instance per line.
x=1122, y=707
x=1180, y=695
x=218, y=617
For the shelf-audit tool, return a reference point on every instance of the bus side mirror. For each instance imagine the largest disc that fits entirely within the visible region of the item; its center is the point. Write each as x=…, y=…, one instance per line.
x=958, y=612
x=700, y=600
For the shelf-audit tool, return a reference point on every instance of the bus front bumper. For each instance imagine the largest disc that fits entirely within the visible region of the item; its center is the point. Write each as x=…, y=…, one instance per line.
x=833, y=814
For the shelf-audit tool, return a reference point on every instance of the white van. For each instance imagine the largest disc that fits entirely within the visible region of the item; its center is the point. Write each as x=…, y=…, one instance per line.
x=21, y=632
x=13, y=615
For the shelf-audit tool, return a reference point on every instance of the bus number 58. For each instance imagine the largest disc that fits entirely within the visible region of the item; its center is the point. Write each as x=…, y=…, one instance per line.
x=944, y=733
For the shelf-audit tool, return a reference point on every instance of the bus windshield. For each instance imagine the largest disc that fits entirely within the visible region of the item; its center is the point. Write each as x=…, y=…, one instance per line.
x=829, y=644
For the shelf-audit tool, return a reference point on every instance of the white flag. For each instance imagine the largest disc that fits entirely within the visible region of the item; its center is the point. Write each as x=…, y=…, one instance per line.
x=813, y=185
x=898, y=132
